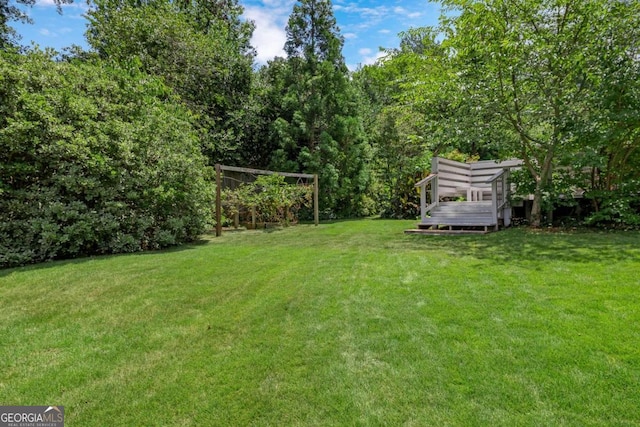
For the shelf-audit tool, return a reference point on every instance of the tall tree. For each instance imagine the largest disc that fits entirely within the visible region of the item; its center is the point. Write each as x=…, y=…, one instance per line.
x=319, y=129
x=418, y=108
x=313, y=34
x=610, y=130
x=527, y=63
x=201, y=49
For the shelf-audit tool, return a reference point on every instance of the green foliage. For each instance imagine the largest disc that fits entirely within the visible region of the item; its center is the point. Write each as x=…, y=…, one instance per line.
x=610, y=130
x=402, y=116
x=618, y=208
x=530, y=65
x=270, y=198
x=95, y=159
x=402, y=159
x=313, y=34
x=314, y=122
x=200, y=49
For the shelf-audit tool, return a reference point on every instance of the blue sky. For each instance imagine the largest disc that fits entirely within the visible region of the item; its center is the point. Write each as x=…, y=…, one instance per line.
x=366, y=25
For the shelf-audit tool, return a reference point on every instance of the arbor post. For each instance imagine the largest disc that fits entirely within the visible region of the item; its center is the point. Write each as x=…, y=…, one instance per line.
x=316, y=209
x=218, y=201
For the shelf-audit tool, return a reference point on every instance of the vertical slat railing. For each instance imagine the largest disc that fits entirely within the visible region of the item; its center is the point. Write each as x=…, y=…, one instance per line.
x=497, y=195
x=424, y=208
x=494, y=200
x=500, y=197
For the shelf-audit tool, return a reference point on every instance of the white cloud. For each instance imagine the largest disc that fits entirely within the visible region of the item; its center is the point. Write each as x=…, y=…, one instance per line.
x=372, y=59
x=364, y=51
x=384, y=31
x=77, y=4
x=269, y=35
x=350, y=36
x=404, y=12
x=46, y=32
x=366, y=12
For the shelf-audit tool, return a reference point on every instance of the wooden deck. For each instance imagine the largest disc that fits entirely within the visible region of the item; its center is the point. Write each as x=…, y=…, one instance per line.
x=460, y=214
x=445, y=231
x=484, y=186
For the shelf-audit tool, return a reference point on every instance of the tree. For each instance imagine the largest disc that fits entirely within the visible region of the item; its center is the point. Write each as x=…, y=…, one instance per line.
x=611, y=128
x=201, y=49
x=95, y=159
x=10, y=11
x=313, y=34
x=318, y=128
x=416, y=108
x=528, y=64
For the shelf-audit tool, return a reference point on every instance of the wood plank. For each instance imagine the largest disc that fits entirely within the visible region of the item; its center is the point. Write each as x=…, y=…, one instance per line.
x=453, y=177
x=445, y=232
x=489, y=164
x=446, y=224
x=218, y=201
x=316, y=207
x=265, y=172
x=453, y=163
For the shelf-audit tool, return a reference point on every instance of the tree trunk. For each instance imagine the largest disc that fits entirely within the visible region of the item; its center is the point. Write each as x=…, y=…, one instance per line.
x=542, y=182
x=536, y=207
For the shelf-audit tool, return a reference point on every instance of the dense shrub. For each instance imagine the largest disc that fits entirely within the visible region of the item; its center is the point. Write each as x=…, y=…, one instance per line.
x=617, y=208
x=94, y=159
x=270, y=199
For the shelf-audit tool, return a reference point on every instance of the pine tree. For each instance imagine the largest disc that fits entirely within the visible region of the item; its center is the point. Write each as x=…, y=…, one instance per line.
x=319, y=129
x=313, y=34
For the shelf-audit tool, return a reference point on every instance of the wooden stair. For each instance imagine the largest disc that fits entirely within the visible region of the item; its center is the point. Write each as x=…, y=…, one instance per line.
x=458, y=218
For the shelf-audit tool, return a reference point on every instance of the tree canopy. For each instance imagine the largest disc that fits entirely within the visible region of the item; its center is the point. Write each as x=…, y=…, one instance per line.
x=201, y=49
x=316, y=126
x=108, y=150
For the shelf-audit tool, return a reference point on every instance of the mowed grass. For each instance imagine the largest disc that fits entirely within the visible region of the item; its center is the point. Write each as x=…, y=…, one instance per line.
x=345, y=324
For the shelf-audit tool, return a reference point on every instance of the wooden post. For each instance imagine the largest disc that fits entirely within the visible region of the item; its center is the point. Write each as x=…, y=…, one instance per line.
x=423, y=203
x=218, y=201
x=316, y=208
x=494, y=201
x=435, y=196
x=506, y=214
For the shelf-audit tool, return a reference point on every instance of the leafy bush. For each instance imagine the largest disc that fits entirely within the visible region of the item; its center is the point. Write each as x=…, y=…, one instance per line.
x=94, y=160
x=619, y=208
x=270, y=198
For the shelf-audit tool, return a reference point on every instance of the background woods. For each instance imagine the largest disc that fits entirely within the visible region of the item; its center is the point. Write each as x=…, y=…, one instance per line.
x=110, y=149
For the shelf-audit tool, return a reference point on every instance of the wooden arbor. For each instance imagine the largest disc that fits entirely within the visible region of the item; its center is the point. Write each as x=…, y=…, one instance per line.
x=221, y=168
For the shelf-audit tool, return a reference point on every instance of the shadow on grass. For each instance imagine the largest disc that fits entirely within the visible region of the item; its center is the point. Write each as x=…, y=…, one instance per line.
x=81, y=260
x=525, y=245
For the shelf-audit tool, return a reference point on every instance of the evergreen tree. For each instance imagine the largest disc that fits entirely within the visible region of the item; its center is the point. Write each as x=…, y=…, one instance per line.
x=313, y=34
x=319, y=129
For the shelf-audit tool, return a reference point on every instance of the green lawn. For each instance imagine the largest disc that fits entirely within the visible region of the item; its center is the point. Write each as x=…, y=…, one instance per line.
x=349, y=323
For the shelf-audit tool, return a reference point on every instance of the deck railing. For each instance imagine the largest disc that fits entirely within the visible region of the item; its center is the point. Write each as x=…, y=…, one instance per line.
x=500, y=208
x=432, y=182
x=451, y=179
